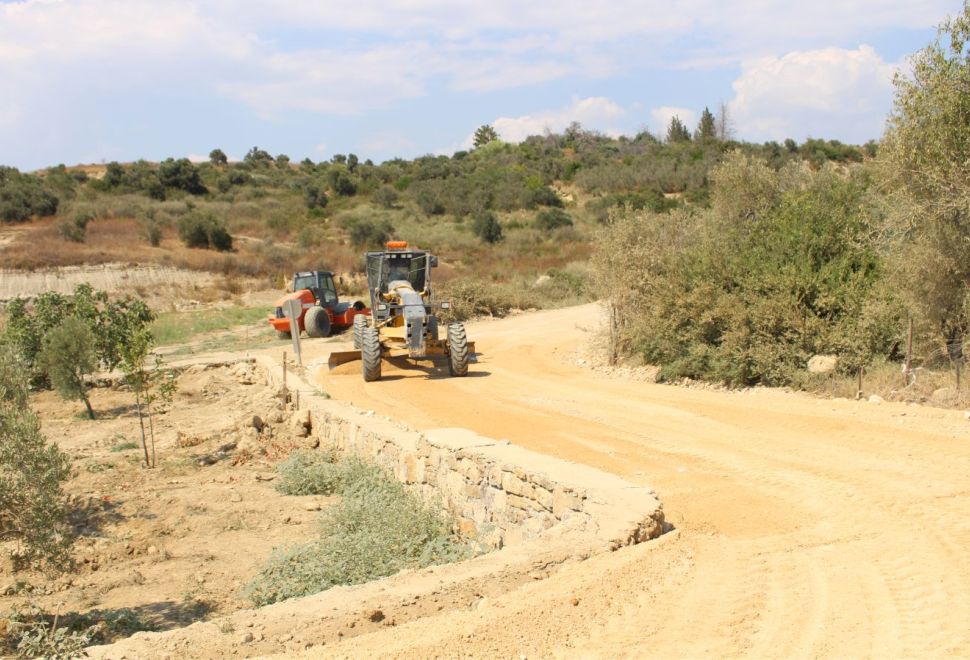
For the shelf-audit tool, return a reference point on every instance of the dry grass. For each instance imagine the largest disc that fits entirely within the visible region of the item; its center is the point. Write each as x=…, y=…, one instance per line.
x=38, y=246
x=936, y=387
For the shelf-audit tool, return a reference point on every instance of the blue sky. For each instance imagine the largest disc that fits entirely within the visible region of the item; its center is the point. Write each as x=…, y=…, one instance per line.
x=86, y=81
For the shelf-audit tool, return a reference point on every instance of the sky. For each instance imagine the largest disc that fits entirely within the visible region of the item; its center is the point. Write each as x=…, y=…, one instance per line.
x=90, y=81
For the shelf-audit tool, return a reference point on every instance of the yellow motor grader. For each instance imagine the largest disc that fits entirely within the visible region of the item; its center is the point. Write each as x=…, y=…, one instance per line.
x=403, y=322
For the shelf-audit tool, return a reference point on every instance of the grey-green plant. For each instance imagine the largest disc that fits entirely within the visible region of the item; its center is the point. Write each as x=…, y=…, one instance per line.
x=33, y=505
x=376, y=529
x=150, y=384
x=67, y=357
x=925, y=157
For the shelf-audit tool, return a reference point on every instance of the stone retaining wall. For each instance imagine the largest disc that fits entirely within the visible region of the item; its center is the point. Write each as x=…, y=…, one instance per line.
x=502, y=493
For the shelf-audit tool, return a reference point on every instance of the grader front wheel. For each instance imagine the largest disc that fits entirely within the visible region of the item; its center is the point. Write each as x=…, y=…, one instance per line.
x=457, y=350
x=360, y=324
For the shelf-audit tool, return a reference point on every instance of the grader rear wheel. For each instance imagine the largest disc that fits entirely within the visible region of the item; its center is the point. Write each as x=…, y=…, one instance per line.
x=457, y=350
x=370, y=350
x=360, y=324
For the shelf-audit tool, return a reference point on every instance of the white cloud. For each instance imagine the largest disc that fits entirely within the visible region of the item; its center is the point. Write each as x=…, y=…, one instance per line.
x=66, y=64
x=597, y=112
x=661, y=118
x=832, y=92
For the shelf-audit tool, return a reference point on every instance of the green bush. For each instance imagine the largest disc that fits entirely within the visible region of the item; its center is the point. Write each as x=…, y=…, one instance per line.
x=546, y=196
x=67, y=356
x=23, y=196
x=486, y=227
x=314, y=196
x=386, y=196
x=782, y=267
x=377, y=529
x=549, y=219
x=370, y=233
x=181, y=174
x=202, y=229
x=33, y=506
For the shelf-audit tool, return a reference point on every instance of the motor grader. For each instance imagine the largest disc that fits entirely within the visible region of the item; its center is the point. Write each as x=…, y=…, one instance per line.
x=403, y=320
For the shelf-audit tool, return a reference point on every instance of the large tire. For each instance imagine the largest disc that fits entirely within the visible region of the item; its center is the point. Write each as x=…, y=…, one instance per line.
x=370, y=353
x=283, y=334
x=360, y=324
x=457, y=350
x=317, y=322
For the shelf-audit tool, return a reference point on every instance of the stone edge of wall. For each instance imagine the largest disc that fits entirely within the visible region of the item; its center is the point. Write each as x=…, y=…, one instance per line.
x=502, y=493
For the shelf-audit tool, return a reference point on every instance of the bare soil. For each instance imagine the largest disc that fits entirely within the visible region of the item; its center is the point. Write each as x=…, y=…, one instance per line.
x=804, y=527
x=174, y=544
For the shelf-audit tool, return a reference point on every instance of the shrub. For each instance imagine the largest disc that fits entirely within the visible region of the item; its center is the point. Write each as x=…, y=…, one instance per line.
x=471, y=298
x=314, y=196
x=181, y=174
x=33, y=507
x=377, y=529
x=486, y=227
x=546, y=196
x=23, y=196
x=202, y=229
x=781, y=268
x=553, y=218
x=75, y=229
x=309, y=473
x=152, y=232
x=342, y=183
x=67, y=357
x=386, y=196
x=370, y=232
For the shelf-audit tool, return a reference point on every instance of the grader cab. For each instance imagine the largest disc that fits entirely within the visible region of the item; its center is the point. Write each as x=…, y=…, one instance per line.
x=403, y=320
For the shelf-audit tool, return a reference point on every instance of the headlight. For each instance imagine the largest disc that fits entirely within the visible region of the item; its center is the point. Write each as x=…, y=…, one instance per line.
x=382, y=307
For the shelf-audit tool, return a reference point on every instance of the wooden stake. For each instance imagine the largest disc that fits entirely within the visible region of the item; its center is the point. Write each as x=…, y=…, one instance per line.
x=284, y=378
x=859, y=391
x=909, y=354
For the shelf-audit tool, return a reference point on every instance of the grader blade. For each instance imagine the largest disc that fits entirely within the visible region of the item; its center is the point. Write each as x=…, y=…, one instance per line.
x=338, y=358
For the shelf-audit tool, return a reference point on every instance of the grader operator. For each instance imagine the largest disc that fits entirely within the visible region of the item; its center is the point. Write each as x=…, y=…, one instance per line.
x=403, y=319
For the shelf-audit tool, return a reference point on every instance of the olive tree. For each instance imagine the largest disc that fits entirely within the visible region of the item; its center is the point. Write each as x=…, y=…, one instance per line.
x=33, y=506
x=67, y=356
x=926, y=164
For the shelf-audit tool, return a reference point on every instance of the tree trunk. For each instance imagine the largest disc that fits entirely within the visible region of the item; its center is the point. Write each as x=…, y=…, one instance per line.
x=151, y=428
x=141, y=423
x=87, y=404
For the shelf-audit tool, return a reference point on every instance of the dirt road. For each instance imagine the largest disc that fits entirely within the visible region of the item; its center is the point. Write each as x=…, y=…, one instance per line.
x=805, y=527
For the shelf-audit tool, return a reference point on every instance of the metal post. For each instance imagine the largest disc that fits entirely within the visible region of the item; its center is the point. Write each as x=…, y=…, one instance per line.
x=284, y=378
